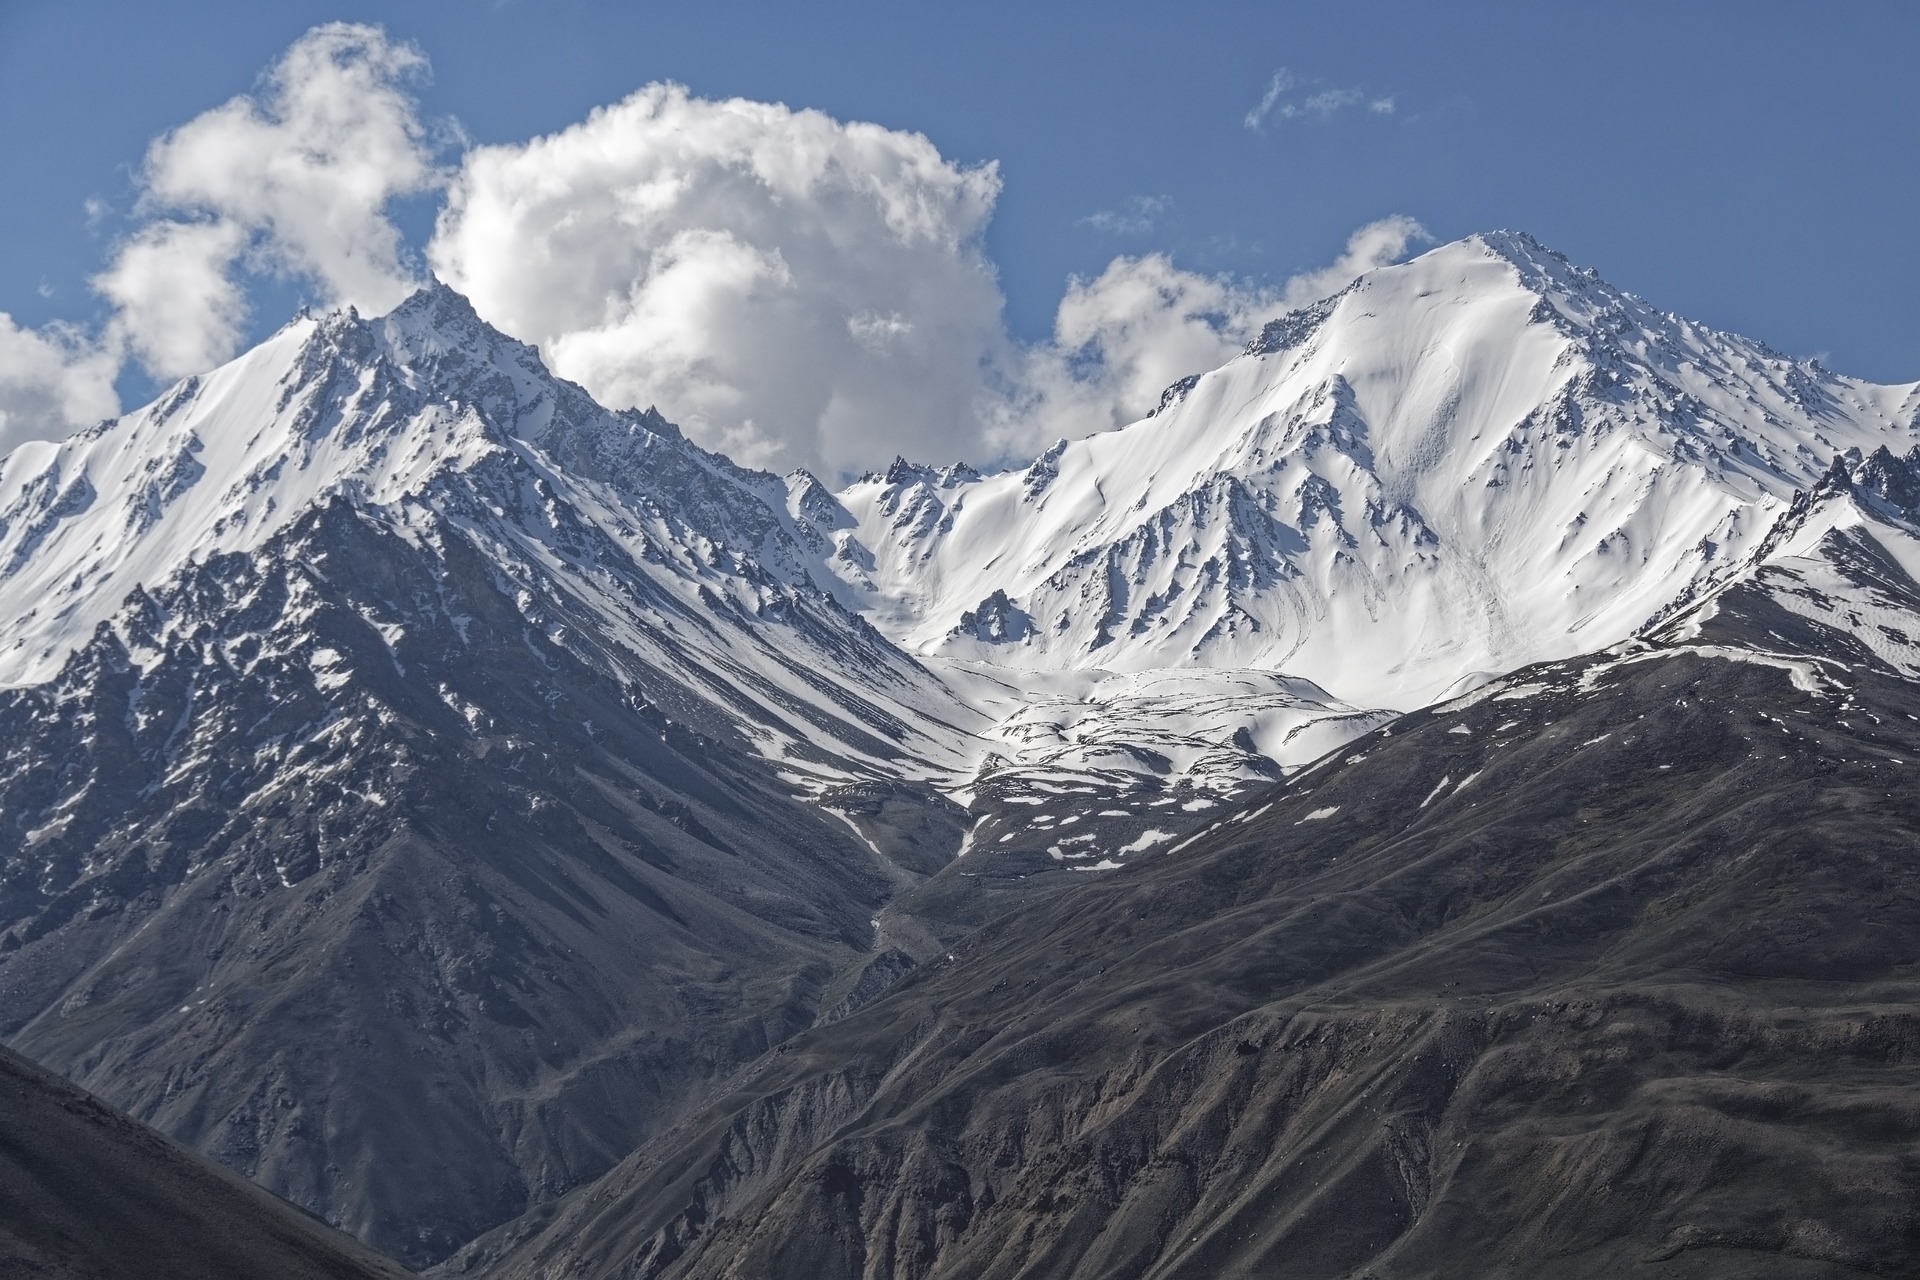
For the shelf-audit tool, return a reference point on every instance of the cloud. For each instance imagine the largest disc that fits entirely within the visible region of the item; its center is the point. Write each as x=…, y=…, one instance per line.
x=791, y=289
x=1283, y=82
x=177, y=308
x=1371, y=247
x=1322, y=104
x=798, y=291
x=876, y=332
x=295, y=182
x=1120, y=339
x=53, y=382
x=1141, y=215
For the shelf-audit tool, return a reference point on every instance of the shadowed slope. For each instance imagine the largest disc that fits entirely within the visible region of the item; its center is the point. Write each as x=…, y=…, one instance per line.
x=88, y=1194
x=419, y=925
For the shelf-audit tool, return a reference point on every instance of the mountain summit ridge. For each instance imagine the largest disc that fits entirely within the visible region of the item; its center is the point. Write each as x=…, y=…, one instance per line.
x=1401, y=449
x=424, y=412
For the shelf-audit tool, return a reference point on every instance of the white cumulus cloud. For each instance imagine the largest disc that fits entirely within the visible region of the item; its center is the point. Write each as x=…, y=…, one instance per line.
x=296, y=181
x=176, y=306
x=52, y=383
x=1371, y=247
x=1120, y=339
x=798, y=291
x=792, y=289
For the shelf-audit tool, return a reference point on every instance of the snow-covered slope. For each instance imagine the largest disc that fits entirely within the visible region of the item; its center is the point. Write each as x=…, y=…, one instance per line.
x=1840, y=568
x=1482, y=458
x=1218, y=729
x=617, y=534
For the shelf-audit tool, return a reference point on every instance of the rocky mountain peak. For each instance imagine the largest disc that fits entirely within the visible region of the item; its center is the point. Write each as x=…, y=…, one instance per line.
x=1492, y=446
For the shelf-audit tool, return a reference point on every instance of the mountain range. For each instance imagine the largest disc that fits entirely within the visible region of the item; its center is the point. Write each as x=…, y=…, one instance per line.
x=536, y=844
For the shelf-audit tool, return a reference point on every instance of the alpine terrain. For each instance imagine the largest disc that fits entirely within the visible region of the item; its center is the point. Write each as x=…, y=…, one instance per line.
x=1431, y=799
x=403, y=779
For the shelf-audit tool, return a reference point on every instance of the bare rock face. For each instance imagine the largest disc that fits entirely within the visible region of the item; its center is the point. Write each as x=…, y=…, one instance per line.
x=1605, y=969
x=86, y=1193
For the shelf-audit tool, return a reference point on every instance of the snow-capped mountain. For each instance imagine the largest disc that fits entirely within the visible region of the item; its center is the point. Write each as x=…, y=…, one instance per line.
x=414, y=766
x=1481, y=458
x=611, y=525
x=1478, y=459
x=1583, y=973
x=420, y=782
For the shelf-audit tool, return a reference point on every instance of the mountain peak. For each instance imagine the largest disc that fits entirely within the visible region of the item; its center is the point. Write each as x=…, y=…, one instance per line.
x=1487, y=443
x=1458, y=269
x=437, y=320
x=1518, y=258
x=436, y=305
x=1515, y=246
x=373, y=409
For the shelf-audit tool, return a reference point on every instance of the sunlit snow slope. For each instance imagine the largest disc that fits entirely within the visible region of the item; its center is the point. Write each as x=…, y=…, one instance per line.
x=611, y=524
x=1482, y=458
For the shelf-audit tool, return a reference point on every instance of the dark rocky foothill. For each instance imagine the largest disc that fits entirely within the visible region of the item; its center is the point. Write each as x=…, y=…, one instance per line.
x=1606, y=970
x=87, y=1193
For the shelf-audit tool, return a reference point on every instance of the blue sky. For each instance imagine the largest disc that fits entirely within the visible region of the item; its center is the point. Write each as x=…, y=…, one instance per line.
x=1753, y=165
